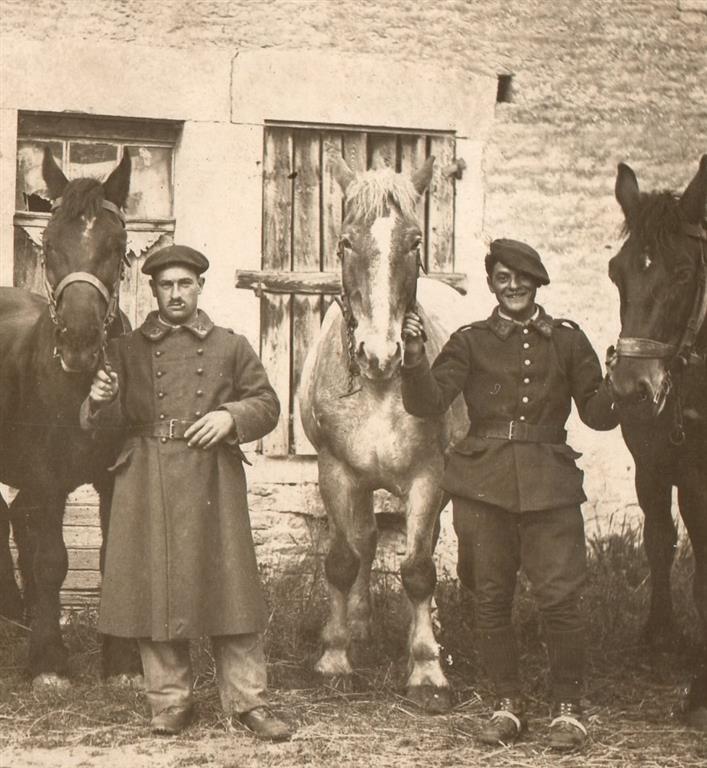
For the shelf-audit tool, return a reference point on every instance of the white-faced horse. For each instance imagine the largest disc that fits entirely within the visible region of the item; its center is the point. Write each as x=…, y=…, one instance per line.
x=352, y=412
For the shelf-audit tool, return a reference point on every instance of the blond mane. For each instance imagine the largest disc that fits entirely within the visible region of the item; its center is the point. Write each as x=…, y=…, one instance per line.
x=371, y=194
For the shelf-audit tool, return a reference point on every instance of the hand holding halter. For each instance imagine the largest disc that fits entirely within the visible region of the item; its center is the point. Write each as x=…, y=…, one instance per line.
x=104, y=388
x=414, y=338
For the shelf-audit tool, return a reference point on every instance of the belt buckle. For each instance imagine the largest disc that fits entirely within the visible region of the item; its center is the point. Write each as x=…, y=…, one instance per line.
x=172, y=425
x=512, y=425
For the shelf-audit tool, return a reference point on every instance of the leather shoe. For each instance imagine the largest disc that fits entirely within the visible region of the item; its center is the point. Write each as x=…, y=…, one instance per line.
x=172, y=719
x=567, y=730
x=506, y=724
x=265, y=725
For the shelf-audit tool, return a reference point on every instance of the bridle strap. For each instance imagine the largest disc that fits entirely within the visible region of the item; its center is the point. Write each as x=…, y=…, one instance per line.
x=112, y=207
x=633, y=346
x=82, y=277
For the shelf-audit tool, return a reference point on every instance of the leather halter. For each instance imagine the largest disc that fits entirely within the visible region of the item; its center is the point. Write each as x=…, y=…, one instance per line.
x=111, y=297
x=684, y=351
x=350, y=321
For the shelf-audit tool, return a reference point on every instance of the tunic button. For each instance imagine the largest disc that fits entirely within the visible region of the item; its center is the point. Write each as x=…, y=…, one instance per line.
x=525, y=330
x=526, y=380
x=163, y=439
x=526, y=362
x=162, y=416
x=525, y=399
x=197, y=414
x=199, y=392
x=158, y=353
x=525, y=345
x=160, y=395
x=200, y=371
x=521, y=418
x=200, y=351
x=159, y=374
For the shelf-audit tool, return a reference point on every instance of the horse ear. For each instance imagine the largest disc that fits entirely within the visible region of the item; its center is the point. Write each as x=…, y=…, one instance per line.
x=117, y=185
x=53, y=175
x=626, y=190
x=342, y=173
x=422, y=176
x=694, y=197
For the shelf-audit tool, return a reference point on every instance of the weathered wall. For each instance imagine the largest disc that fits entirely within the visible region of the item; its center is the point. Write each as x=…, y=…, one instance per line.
x=594, y=83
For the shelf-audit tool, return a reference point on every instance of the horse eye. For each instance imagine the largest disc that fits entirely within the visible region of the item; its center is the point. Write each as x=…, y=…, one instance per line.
x=344, y=242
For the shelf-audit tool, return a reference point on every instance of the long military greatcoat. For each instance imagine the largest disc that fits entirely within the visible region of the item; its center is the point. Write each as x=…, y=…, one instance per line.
x=180, y=561
x=508, y=372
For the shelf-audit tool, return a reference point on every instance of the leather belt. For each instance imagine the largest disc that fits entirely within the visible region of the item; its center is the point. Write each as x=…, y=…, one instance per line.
x=171, y=429
x=520, y=431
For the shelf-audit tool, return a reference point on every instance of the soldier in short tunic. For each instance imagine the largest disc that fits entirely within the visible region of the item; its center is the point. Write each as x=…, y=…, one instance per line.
x=515, y=486
x=180, y=561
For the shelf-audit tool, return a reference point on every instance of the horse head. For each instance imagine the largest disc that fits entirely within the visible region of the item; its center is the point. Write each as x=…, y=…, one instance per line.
x=379, y=250
x=660, y=273
x=84, y=249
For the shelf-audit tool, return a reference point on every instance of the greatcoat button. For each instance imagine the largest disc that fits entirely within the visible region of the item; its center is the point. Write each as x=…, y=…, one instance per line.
x=199, y=371
x=199, y=392
x=200, y=351
x=525, y=399
x=162, y=416
x=526, y=380
x=525, y=345
x=159, y=374
x=163, y=439
x=521, y=418
x=525, y=330
x=160, y=395
x=526, y=362
x=197, y=414
x=158, y=353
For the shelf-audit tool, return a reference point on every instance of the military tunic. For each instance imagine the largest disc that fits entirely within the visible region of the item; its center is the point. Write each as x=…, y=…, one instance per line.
x=180, y=561
x=527, y=374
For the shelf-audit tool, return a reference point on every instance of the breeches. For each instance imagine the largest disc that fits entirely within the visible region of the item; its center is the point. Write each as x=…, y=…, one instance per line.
x=495, y=544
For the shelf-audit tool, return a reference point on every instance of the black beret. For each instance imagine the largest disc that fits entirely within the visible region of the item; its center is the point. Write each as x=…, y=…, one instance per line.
x=175, y=254
x=518, y=256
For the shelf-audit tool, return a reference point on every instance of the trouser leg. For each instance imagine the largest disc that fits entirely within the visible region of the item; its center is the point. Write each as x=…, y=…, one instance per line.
x=240, y=672
x=168, y=673
x=489, y=558
x=554, y=559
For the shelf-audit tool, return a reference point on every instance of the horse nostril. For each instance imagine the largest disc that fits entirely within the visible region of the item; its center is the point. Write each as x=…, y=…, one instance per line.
x=644, y=390
x=360, y=351
x=398, y=350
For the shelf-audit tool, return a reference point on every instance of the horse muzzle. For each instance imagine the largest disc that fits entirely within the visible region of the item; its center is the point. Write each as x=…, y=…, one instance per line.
x=379, y=362
x=639, y=392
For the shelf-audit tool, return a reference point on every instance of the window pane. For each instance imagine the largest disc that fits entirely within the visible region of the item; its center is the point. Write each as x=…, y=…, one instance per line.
x=96, y=160
x=31, y=192
x=150, y=182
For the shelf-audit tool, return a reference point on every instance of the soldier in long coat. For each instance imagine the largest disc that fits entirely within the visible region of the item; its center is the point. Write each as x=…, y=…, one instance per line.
x=515, y=487
x=180, y=561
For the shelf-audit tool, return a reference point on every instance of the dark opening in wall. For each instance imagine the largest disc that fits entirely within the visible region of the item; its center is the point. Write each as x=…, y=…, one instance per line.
x=504, y=92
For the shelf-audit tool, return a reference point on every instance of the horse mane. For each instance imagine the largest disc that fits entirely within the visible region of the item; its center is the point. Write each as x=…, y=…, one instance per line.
x=81, y=197
x=657, y=218
x=372, y=193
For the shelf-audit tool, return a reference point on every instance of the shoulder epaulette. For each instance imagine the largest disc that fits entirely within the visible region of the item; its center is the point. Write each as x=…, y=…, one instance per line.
x=475, y=324
x=565, y=323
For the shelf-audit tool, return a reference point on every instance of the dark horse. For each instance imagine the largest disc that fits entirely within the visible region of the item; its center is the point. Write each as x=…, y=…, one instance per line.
x=659, y=383
x=49, y=350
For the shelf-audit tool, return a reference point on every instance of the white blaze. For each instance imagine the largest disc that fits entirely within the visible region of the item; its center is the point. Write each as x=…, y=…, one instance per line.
x=382, y=234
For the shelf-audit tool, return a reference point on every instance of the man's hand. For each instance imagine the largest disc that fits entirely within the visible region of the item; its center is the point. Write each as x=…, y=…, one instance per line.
x=209, y=429
x=413, y=336
x=104, y=388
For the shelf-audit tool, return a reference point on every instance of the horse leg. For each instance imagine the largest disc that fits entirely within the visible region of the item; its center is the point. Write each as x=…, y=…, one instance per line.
x=22, y=510
x=692, y=499
x=10, y=597
x=120, y=659
x=364, y=538
x=426, y=684
x=659, y=541
x=47, y=653
x=343, y=500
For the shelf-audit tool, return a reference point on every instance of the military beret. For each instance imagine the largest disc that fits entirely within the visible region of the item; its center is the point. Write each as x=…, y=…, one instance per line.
x=175, y=254
x=518, y=256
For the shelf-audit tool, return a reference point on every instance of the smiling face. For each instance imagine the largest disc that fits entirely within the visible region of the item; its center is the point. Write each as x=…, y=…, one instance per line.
x=515, y=291
x=177, y=290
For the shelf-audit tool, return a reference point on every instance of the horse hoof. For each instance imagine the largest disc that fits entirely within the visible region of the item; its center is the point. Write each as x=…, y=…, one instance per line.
x=50, y=681
x=134, y=682
x=434, y=701
x=340, y=683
